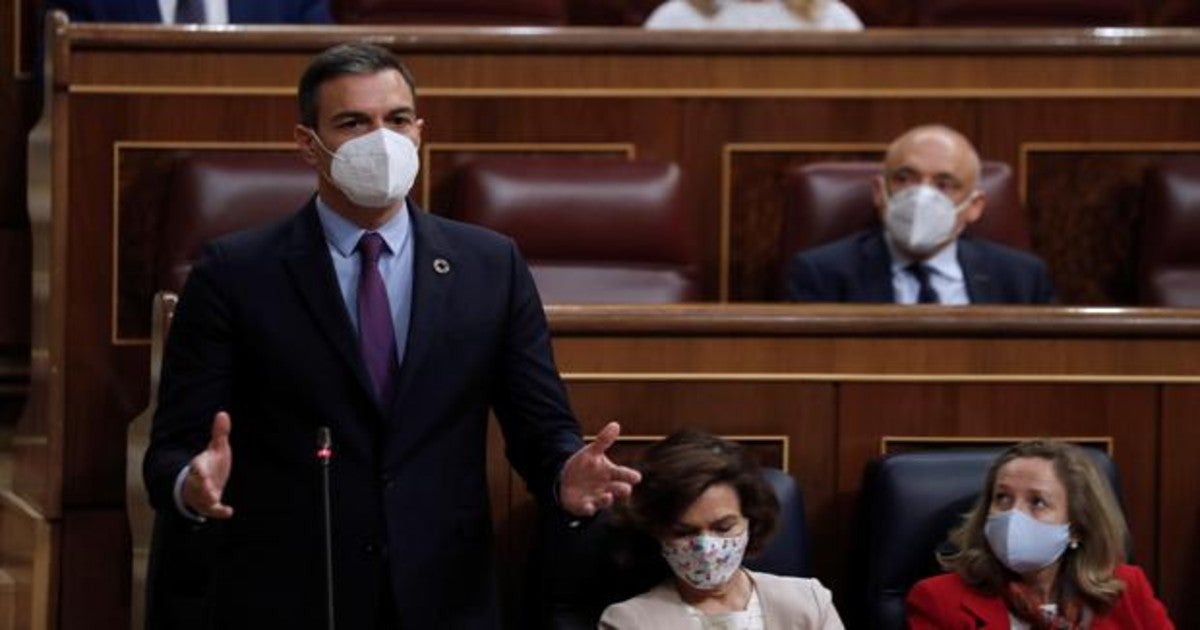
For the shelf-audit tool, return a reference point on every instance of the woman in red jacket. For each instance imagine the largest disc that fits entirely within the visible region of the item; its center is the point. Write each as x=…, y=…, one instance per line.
x=1042, y=549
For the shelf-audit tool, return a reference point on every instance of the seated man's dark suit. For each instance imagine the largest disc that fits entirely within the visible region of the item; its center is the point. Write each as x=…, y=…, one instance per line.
x=240, y=11
x=858, y=269
x=262, y=332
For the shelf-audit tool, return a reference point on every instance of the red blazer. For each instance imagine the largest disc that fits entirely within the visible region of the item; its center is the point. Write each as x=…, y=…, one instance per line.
x=945, y=602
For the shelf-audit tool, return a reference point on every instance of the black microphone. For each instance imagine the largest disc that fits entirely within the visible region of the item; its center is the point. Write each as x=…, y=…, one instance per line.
x=324, y=454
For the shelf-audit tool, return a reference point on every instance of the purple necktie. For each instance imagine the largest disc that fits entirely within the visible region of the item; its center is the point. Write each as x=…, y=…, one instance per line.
x=926, y=294
x=376, y=335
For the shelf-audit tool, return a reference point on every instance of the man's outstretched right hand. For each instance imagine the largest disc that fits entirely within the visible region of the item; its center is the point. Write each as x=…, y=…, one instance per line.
x=209, y=471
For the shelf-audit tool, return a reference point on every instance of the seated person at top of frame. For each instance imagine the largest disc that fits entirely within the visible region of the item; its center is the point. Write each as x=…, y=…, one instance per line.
x=1043, y=548
x=926, y=197
x=197, y=11
x=700, y=507
x=830, y=15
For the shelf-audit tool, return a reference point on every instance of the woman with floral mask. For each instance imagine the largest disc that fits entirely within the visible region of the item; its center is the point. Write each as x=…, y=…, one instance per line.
x=1043, y=548
x=704, y=506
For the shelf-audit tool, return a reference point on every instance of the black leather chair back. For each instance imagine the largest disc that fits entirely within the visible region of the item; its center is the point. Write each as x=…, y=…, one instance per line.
x=576, y=573
x=910, y=503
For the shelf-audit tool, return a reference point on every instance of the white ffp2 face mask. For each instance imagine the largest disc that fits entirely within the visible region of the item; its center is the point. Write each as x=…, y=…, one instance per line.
x=375, y=170
x=1023, y=543
x=706, y=561
x=921, y=219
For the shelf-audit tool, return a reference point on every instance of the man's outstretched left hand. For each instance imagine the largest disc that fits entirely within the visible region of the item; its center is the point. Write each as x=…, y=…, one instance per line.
x=590, y=481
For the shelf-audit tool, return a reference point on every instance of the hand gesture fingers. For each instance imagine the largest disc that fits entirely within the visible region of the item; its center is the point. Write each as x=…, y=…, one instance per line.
x=209, y=471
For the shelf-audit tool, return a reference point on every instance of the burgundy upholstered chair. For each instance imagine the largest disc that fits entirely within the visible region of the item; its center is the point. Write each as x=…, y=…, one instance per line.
x=466, y=12
x=592, y=230
x=1061, y=13
x=828, y=200
x=212, y=193
x=218, y=192
x=1169, y=265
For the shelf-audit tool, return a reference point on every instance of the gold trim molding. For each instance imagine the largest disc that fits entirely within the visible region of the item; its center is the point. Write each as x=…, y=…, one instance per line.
x=728, y=150
x=627, y=149
x=123, y=145
x=886, y=441
x=852, y=377
x=782, y=439
x=1027, y=148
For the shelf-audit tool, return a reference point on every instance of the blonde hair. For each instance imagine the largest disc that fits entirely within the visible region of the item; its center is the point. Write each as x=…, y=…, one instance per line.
x=804, y=9
x=1096, y=523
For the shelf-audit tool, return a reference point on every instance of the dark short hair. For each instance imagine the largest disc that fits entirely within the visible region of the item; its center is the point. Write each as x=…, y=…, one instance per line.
x=677, y=470
x=340, y=60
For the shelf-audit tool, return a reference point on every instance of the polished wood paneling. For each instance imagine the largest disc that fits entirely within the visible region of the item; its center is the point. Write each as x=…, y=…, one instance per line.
x=1179, y=497
x=756, y=370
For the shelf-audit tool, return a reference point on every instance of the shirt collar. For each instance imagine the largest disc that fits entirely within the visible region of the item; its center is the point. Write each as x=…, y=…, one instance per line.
x=344, y=235
x=943, y=263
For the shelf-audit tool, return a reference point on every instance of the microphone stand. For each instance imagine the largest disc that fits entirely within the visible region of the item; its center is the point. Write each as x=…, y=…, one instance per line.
x=324, y=454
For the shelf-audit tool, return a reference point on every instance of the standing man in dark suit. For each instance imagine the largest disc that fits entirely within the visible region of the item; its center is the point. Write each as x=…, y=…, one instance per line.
x=397, y=330
x=926, y=197
x=196, y=11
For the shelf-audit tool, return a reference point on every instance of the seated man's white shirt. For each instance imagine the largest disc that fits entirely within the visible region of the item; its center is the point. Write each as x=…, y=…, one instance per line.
x=735, y=15
x=945, y=276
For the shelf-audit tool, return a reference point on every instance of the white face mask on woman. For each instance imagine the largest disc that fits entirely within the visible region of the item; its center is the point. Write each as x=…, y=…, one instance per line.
x=921, y=219
x=1023, y=543
x=374, y=170
x=706, y=561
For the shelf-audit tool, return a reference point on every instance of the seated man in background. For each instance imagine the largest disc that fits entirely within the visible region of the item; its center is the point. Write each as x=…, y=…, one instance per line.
x=926, y=197
x=197, y=11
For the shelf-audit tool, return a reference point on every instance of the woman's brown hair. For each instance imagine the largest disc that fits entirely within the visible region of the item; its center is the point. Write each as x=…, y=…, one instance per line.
x=677, y=470
x=804, y=9
x=1097, y=525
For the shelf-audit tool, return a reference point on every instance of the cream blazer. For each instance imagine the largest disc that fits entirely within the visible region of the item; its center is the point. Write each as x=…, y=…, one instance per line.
x=787, y=603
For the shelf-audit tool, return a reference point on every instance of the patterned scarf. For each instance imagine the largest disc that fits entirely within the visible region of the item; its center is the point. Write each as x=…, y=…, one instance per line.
x=1026, y=603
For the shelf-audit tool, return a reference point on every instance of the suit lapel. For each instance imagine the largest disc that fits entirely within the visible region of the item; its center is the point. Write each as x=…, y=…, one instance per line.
x=311, y=270
x=876, y=270
x=980, y=288
x=433, y=277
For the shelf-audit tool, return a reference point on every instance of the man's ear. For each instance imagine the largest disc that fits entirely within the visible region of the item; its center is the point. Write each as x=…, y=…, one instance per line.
x=879, y=195
x=307, y=144
x=974, y=210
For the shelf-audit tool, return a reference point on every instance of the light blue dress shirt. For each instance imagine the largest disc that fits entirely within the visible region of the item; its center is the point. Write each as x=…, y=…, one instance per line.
x=945, y=276
x=395, y=265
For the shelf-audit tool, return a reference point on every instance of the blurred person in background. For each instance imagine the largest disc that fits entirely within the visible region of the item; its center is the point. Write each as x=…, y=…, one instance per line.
x=780, y=15
x=196, y=11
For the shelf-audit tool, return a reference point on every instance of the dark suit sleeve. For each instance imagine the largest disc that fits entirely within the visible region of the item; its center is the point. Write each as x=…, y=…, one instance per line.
x=316, y=12
x=1043, y=291
x=803, y=281
x=530, y=400
x=197, y=379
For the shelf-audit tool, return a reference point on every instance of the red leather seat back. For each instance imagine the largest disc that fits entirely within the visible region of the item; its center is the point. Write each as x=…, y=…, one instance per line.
x=1028, y=13
x=593, y=230
x=466, y=12
x=218, y=192
x=828, y=200
x=1169, y=264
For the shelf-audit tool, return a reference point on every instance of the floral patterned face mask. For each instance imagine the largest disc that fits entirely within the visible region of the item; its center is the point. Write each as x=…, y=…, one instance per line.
x=706, y=561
